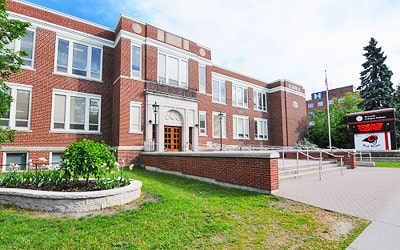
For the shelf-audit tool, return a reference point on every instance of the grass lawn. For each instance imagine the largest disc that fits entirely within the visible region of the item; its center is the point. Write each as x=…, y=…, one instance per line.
x=188, y=215
x=387, y=164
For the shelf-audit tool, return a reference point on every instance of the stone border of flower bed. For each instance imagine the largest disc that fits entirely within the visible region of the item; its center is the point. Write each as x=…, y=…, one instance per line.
x=70, y=201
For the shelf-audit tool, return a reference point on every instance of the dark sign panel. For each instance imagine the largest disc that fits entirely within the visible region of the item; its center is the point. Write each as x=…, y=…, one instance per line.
x=372, y=116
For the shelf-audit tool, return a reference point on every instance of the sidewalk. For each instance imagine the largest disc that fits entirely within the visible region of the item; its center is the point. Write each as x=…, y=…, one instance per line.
x=369, y=193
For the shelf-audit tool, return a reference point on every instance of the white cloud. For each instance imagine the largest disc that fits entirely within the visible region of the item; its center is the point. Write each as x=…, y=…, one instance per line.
x=269, y=40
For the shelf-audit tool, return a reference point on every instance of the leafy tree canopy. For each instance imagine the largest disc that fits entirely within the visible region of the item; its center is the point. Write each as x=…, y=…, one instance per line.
x=376, y=87
x=10, y=63
x=318, y=133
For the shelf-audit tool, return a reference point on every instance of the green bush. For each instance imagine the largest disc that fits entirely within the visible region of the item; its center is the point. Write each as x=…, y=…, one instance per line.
x=85, y=159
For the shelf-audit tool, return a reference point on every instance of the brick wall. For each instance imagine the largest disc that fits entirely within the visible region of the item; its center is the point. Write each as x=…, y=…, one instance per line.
x=252, y=169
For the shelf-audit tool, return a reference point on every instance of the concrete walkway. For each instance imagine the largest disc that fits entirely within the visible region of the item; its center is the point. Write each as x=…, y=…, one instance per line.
x=366, y=192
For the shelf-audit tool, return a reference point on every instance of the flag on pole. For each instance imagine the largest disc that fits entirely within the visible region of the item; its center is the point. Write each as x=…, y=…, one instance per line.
x=326, y=81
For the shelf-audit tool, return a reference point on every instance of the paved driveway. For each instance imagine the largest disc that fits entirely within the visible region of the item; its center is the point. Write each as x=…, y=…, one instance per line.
x=366, y=192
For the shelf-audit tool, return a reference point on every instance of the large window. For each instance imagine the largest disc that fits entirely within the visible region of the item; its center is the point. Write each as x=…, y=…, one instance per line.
x=239, y=96
x=136, y=62
x=260, y=100
x=27, y=44
x=240, y=127
x=135, y=117
x=217, y=126
x=172, y=70
x=74, y=111
x=202, y=123
x=19, y=113
x=218, y=91
x=15, y=161
x=260, y=129
x=202, y=79
x=78, y=59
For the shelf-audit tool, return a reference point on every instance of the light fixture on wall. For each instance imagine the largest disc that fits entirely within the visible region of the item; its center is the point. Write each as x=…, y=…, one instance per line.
x=150, y=122
x=196, y=125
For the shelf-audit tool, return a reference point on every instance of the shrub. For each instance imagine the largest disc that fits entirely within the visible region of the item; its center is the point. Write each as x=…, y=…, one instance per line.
x=85, y=159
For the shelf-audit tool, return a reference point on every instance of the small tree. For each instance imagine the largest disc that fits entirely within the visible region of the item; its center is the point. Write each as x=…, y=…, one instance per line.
x=318, y=133
x=376, y=87
x=10, y=62
x=86, y=158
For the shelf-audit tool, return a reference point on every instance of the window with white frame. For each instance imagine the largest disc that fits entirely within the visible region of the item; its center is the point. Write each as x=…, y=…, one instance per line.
x=79, y=59
x=202, y=123
x=310, y=105
x=73, y=111
x=135, y=117
x=55, y=160
x=218, y=91
x=260, y=100
x=239, y=96
x=320, y=104
x=27, y=44
x=19, y=113
x=202, y=79
x=260, y=129
x=331, y=102
x=240, y=127
x=172, y=70
x=136, y=61
x=217, y=125
x=16, y=161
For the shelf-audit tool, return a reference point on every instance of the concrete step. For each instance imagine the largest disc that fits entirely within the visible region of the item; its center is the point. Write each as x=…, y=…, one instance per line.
x=287, y=172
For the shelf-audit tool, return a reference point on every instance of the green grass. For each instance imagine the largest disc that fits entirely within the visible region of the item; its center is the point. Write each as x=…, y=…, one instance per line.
x=189, y=215
x=383, y=164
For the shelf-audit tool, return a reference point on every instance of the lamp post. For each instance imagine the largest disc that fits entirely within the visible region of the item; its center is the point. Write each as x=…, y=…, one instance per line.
x=156, y=108
x=220, y=117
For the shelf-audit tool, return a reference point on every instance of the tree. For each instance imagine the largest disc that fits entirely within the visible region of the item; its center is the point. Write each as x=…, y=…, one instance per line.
x=376, y=87
x=318, y=133
x=10, y=63
x=396, y=101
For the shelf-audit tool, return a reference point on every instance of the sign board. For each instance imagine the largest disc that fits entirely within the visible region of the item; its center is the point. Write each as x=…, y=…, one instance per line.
x=372, y=141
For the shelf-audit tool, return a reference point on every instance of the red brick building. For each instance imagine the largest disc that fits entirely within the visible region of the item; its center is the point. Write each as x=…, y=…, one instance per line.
x=82, y=80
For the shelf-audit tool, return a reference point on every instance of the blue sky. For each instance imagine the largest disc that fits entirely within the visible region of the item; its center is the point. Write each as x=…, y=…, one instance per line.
x=267, y=39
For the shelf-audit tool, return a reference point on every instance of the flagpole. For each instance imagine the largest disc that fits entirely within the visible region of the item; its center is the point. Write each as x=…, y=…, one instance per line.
x=329, y=115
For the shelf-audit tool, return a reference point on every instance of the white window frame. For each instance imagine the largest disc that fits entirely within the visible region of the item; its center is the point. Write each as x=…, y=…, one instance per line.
x=51, y=163
x=310, y=105
x=203, y=130
x=215, y=120
x=131, y=127
x=5, y=165
x=218, y=97
x=241, y=122
x=257, y=102
x=237, y=92
x=181, y=70
x=13, y=106
x=134, y=73
x=262, y=125
x=331, y=101
x=320, y=104
x=202, y=84
x=16, y=46
x=68, y=95
x=69, y=72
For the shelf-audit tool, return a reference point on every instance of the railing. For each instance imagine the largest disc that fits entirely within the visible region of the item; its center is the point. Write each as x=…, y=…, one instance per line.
x=153, y=86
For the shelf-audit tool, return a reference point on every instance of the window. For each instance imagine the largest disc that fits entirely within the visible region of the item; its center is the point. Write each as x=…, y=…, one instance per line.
x=74, y=111
x=217, y=126
x=78, y=59
x=27, y=44
x=18, y=116
x=203, y=123
x=311, y=113
x=12, y=159
x=331, y=102
x=218, y=91
x=135, y=117
x=202, y=79
x=310, y=105
x=240, y=127
x=311, y=123
x=239, y=96
x=341, y=100
x=260, y=129
x=172, y=71
x=55, y=160
x=320, y=104
x=136, y=62
x=260, y=101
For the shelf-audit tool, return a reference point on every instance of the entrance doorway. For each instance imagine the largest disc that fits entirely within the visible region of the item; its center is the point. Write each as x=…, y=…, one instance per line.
x=172, y=138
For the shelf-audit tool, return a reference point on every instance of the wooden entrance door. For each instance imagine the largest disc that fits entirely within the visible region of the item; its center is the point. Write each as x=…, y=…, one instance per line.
x=172, y=138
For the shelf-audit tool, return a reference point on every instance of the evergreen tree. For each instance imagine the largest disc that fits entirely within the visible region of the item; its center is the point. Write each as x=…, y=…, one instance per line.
x=10, y=63
x=376, y=87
